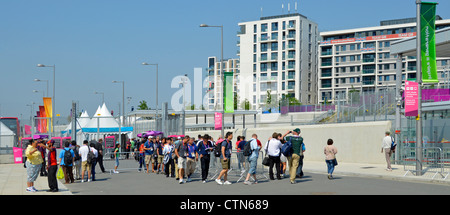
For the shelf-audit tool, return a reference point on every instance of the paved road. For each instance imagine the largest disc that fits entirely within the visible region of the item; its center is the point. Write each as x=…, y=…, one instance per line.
x=134, y=183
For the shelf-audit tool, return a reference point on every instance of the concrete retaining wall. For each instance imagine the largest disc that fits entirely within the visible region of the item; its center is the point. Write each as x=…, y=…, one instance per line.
x=356, y=142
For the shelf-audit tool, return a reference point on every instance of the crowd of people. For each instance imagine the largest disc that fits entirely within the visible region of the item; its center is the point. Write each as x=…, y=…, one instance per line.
x=175, y=157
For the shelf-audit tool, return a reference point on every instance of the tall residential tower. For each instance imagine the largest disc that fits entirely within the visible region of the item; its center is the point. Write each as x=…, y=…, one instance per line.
x=278, y=54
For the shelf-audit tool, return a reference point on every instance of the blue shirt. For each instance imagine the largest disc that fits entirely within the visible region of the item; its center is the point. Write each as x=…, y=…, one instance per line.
x=255, y=148
x=149, y=145
x=228, y=147
x=192, y=149
x=204, y=148
x=61, y=155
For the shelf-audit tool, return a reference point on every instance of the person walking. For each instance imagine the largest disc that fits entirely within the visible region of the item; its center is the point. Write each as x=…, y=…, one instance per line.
x=66, y=157
x=116, y=157
x=52, y=167
x=181, y=151
x=330, y=152
x=99, y=148
x=386, y=146
x=168, y=151
x=294, y=159
x=33, y=164
x=41, y=146
x=252, y=160
x=76, y=160
x=85, y=166
x=141, y=155
x=205, y=146
x=148, y=147
x=94, y=161
x=273, y=149
x=225, y=159
x=191, y=159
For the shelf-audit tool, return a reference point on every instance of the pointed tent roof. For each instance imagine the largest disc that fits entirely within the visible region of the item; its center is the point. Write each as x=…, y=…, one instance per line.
x=82, y=121
x=5, y=130
x=99, y=117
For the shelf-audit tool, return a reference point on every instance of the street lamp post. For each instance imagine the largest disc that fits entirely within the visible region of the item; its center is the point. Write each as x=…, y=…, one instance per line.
x=39, y=80
x=123, y=99
x=154, y=64
x=103, y=96
x=221, y=72
x=53, y=99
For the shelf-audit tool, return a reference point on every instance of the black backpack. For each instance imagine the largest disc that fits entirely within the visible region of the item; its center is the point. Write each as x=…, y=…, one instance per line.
x=218, y=149
x=68, y=159
x=247, y=149
x=90, y=156
x=77, y=154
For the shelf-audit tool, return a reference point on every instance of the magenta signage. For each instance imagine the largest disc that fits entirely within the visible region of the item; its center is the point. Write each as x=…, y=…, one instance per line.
x=217, y=121
x=411, y=98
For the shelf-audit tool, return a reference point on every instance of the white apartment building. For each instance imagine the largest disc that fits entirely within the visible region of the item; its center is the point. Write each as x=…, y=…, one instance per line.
x=360, y=58
x=278, y=53
x=214, y=81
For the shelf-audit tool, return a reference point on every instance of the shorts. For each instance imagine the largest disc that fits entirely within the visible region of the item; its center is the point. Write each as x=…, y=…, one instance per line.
x=225, y=164
x=148, y=159
x=253, y=163
x=160, y=159
x=32, y=171
x=85, y=166
x=182, y=163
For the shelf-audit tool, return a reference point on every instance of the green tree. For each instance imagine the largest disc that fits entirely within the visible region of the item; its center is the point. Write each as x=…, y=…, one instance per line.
x=143, y=105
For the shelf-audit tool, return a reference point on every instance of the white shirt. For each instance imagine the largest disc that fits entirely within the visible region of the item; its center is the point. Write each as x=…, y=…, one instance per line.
x=83, y=152
x=273, y=147
x=387, y=142
x=95, y=151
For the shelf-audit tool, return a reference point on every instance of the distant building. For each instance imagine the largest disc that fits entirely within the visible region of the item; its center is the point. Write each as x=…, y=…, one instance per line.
x=214, y=81
x=360, y=59
x=278, y=53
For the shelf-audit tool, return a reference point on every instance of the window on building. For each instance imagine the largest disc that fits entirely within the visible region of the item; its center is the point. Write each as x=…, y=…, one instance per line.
x=264, y=27
x=274, y=26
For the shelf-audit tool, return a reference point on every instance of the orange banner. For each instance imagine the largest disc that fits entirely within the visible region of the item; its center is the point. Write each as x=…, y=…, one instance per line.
x=48, y=110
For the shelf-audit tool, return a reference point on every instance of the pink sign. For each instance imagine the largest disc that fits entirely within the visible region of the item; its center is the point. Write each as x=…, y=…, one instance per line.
x=217, y=121
x=17, y=155
x=411, y=98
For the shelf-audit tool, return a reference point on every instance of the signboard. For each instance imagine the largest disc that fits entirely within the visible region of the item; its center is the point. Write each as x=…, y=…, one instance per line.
x=65, y=139
x=217, y=121
x=411, y=98
x=25, y=142
x=427, y=41
x=17, y=155
x=58, y=142
x=110, y=142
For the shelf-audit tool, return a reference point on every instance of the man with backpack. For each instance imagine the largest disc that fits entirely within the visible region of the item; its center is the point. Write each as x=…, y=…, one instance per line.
x=76, y=160
x=225, y=159
x=66, y=162
x=297, y=141
x=251, y=150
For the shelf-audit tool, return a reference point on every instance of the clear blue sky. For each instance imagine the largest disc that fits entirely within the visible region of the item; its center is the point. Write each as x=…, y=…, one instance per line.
x=93, y=42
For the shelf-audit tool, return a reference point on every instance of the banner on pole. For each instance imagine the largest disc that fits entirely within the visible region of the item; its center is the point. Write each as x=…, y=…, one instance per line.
x=228, y=92
x=48, y=110
x=217, y=121
x=428, y=43
x=411, y=98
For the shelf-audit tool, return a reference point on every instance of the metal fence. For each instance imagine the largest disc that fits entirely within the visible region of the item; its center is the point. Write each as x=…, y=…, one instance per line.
x=435, y=161
x=129, y=162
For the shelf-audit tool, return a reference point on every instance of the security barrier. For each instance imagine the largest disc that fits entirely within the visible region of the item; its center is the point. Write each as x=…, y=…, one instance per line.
x=434, y=160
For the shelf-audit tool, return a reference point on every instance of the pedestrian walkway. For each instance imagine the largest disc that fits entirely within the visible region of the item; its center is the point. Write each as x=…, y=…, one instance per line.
x=13, y=181
x=13, y=176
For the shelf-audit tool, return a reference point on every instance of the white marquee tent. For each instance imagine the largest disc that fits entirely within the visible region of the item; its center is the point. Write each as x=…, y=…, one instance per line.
x=7, y=136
